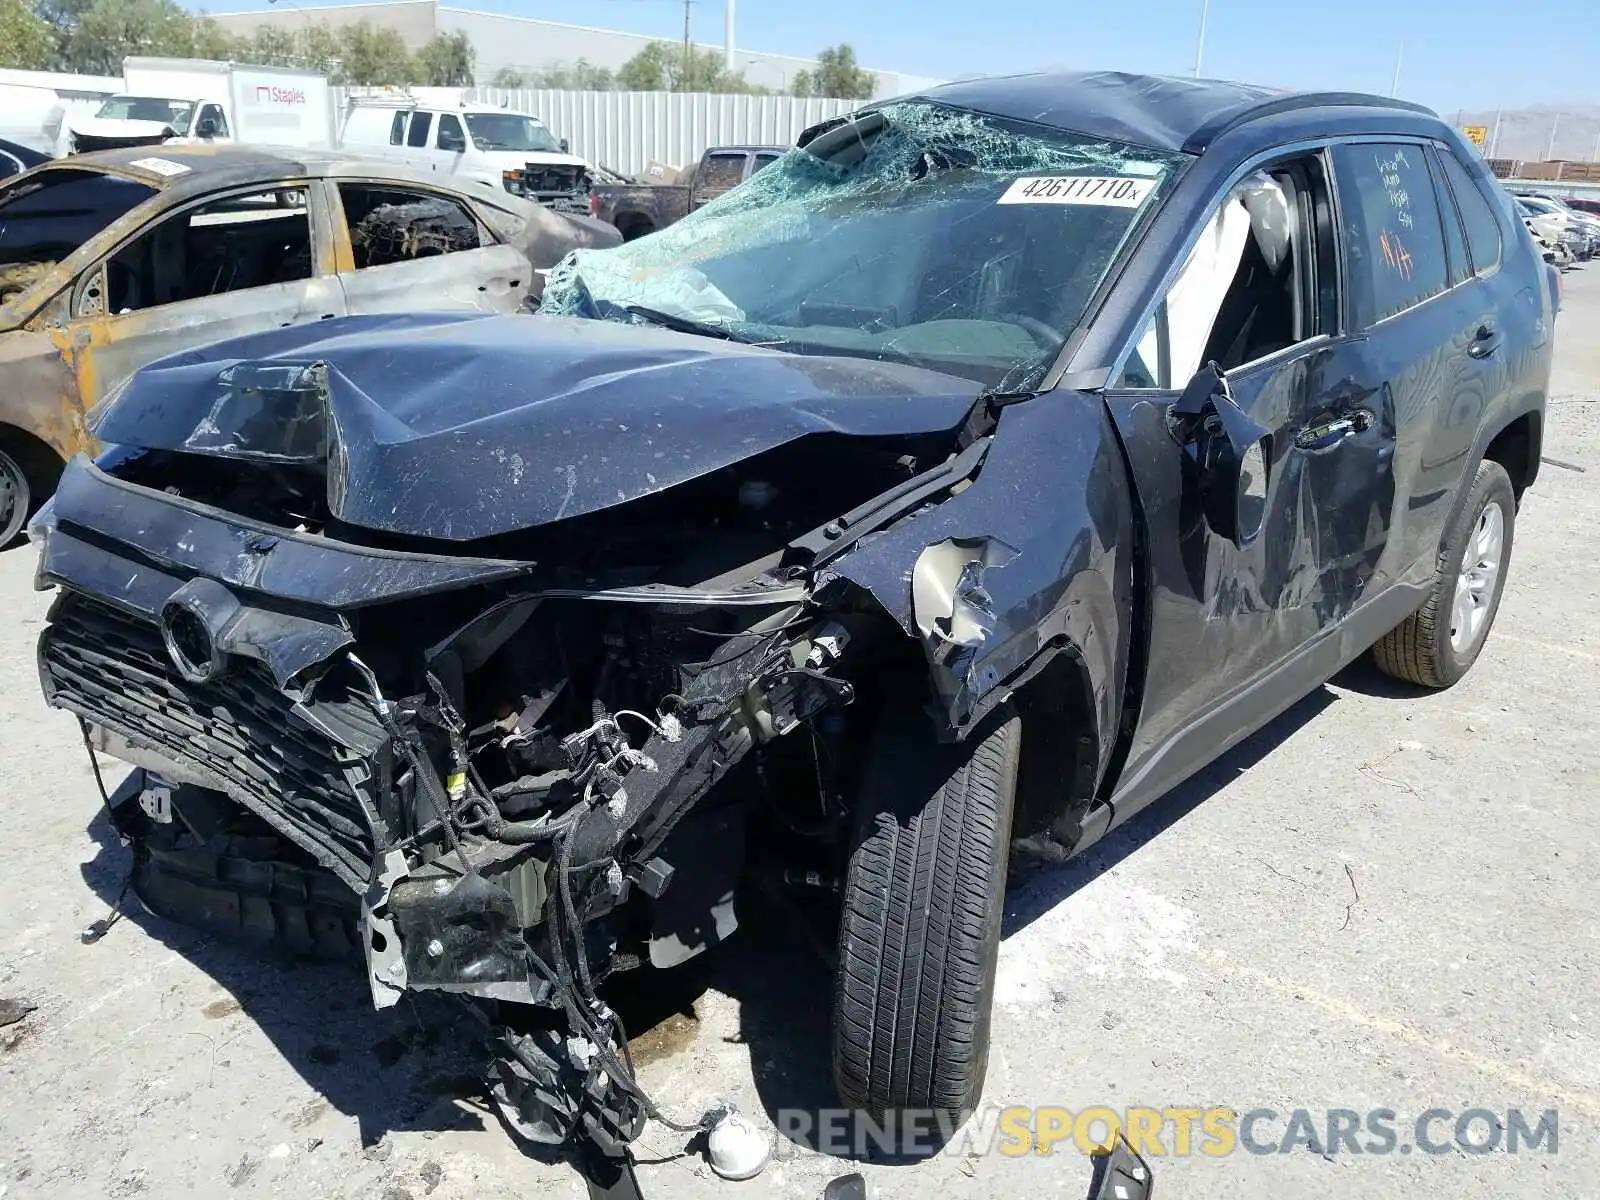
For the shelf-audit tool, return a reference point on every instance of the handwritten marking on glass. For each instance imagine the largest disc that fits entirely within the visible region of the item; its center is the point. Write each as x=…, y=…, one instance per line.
x=1394, y=184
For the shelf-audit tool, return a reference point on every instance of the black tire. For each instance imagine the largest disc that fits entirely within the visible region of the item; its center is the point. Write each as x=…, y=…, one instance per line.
x=1419, y=650
x=920, y=929
x=16, y=499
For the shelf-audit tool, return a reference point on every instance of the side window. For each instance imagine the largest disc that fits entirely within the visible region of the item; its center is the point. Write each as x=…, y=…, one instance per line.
x=1259, y=280
x=391, y=225
x=764, y=160
x=397, y=128
x=421, y=122
x=451, y=135
x=1483, y=231
x=227, y=245
x=721, y=173
x=219, y=122
x=1393, y=239
x=1455, y=243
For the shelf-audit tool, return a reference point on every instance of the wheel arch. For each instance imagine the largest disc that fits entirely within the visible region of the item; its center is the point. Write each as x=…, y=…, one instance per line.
x=1516, y=447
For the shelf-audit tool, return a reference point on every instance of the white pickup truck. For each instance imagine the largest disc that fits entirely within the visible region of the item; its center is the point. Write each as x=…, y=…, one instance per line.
x=194, y=100
x=497, y=146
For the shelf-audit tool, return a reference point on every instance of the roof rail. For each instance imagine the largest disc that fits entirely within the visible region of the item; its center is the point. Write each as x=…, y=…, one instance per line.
x=1291, y=102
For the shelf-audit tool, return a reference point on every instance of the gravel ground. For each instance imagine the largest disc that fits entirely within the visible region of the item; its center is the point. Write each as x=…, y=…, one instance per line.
x=1383, y=900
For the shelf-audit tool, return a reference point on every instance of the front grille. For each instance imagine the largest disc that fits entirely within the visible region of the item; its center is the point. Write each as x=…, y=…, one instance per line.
x=539, y=179
x=236, y=733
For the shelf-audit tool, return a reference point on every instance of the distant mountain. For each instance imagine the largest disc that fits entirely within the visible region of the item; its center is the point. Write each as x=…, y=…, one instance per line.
x=1525, y=132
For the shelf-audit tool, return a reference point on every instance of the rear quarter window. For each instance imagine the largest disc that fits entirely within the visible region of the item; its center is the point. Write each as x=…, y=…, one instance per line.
x=1393, y=238
x=1477, y=216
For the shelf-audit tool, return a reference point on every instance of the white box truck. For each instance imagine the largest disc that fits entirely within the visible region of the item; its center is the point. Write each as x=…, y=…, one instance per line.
x=195, y=100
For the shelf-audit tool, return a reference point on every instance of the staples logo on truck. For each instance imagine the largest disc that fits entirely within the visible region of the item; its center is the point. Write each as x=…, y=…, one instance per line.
x=278, y=95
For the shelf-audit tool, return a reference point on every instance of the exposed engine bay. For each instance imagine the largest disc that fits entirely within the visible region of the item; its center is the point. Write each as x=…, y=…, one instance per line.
x=526, y=778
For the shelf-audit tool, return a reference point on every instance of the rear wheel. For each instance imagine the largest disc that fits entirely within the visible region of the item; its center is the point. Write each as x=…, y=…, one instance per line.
x=1436, y=645
x=920, y=931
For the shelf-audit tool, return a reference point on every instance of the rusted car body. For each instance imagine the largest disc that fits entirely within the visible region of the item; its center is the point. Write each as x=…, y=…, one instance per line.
x=112, y=260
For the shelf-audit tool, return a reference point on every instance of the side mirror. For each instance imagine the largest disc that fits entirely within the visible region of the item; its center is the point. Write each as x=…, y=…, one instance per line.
x=206, y=127
x=1231, y=453
x=566, y=146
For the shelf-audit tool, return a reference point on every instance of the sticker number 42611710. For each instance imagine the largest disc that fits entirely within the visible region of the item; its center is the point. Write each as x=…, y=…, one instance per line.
x=1110, y=190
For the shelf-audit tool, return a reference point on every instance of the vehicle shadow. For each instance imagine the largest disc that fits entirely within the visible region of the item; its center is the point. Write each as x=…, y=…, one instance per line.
x=1363, y=676
x=400, y=1069
x=785, y=990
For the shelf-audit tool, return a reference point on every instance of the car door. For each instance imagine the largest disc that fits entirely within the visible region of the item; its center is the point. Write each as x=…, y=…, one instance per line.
x=1237, y=628
x=234, y=263
x=1417, y=354
x=406, y=248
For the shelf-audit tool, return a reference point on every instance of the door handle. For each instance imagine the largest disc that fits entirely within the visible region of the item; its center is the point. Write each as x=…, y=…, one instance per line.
x=1328, y=434
x=1484, y=343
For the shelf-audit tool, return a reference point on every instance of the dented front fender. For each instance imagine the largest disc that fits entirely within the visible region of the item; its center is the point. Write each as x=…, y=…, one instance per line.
x=1034, y=554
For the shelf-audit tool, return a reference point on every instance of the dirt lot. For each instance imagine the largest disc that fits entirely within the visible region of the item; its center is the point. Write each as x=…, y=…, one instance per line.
x=1384, y=900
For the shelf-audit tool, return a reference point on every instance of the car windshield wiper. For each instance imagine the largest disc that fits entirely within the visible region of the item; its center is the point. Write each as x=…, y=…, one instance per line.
x=685, y=324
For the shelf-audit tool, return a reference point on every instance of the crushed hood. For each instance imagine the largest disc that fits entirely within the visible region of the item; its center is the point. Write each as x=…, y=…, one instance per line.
x=461, y=426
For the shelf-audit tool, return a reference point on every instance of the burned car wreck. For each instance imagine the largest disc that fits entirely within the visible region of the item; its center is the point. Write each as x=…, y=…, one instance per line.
x=954, y=487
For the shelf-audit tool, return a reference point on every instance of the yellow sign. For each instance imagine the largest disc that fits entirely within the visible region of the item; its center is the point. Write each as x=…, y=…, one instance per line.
x=1476, y=134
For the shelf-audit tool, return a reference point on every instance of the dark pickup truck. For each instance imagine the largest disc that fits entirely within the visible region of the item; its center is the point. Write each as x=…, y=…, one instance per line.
x=640, y=208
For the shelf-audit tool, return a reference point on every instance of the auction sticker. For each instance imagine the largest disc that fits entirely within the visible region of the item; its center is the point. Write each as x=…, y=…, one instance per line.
x=1111, y=190
x=159, y=166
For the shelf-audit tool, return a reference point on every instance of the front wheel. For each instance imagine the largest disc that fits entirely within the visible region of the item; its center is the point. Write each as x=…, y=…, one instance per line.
x=1436, y=645
x=15, y=497
x=920, y=932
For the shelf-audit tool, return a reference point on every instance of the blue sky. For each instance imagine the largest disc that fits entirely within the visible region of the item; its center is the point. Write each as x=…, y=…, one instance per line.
x=1458, y=53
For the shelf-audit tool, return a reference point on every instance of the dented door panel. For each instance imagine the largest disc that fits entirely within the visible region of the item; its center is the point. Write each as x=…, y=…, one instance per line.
x=490, y=279
x=104, y=351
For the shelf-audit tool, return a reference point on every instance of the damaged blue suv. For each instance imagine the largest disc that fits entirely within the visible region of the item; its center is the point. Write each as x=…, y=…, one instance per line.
x=953, y=488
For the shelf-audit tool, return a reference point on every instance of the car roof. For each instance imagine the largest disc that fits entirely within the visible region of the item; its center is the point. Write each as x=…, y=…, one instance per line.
x=183, y=170
x=1159, y=111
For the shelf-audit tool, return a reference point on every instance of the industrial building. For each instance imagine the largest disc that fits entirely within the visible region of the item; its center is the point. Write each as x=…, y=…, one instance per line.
x=528, y=45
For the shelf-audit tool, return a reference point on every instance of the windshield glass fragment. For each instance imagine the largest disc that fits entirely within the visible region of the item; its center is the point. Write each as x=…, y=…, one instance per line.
x=510, y=131
x=957, y=242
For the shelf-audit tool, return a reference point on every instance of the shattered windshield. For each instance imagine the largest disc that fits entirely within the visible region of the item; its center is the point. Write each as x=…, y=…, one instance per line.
x=510, y=131
x=917, y=233
x=175, y=113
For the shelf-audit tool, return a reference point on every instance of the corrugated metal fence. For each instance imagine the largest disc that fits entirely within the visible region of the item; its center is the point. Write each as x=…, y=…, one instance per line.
x=628, y=130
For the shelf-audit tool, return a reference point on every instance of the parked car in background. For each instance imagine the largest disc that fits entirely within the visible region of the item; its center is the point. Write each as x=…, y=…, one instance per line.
x=111, y=260
x=34, y=118
x=1584, y=204
x=15, y=159
x=637, y=209
x=985, y=467
x=181, y=99
x=1556, y=224
x=1585, y=224
x=497, y=146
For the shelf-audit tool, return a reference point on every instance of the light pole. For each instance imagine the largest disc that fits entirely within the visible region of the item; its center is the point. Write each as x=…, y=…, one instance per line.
x=727, y=36
x=1550, y=146
x=1200, y=42
x=1400, y=57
